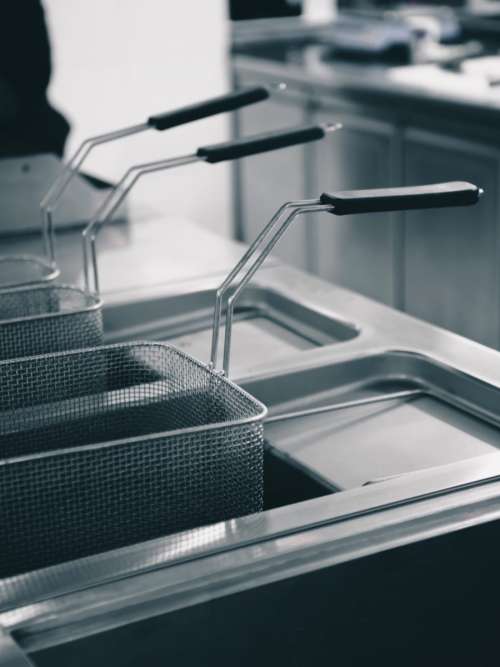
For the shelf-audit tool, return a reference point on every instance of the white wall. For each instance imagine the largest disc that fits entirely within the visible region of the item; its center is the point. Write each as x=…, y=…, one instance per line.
x=116, y=62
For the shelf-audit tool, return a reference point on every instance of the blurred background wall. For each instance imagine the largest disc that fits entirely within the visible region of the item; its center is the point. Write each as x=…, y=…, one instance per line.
x=118, y=61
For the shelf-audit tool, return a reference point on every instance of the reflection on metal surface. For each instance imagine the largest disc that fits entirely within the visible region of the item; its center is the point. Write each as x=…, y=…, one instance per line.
x=206, y=537
x=269, y=326
x=467, y=373
x=355, y=403
x=10, y=653
x=72, y=576
x=63, y=619
x=432, y=77
x=449, y=418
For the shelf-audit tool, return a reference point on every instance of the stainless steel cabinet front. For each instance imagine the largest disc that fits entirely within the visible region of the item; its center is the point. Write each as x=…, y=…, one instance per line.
x=357, y=252
x=451, y=255
x=267, y=181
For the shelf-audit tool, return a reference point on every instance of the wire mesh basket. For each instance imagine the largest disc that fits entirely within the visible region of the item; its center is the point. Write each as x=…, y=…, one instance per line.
x=38, y=316
x=117, y=445
x=48, y=318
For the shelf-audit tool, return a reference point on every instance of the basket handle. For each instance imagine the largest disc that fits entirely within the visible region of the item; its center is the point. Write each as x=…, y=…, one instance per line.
x=160, y=122
x=437, y=195
x=211, y=107
x=213, y=154
x=261, y=143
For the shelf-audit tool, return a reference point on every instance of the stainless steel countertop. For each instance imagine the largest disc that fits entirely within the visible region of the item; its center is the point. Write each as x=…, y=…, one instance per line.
x=182, y=569
x=414, y=88
x=152, y=250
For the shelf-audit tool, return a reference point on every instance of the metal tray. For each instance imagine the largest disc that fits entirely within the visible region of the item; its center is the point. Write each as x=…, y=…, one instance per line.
x=456, y=417
x=267, y=326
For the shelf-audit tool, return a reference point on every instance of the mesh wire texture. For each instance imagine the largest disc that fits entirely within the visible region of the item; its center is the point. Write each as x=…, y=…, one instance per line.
x=48, y=318
x=109, y=447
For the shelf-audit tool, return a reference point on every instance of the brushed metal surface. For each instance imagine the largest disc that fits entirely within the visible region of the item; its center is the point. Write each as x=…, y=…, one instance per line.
x=267, y=327
x=11, y=654
x=467, y=373
x=451, y=256
x=176, y=250
x=328, y=542
x=367, y=442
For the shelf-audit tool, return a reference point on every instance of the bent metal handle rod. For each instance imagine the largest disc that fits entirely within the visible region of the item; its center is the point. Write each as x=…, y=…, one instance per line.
x=251, y=251
x=231, y=150
x=160, y=122
x=437, y=195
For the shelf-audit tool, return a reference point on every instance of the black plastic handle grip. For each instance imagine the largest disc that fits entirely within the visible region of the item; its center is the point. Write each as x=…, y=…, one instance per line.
x=260, y=143
x=437, y=195
x=212, y=107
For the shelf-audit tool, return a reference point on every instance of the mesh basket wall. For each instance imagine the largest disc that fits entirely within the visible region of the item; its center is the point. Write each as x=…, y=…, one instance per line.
x=53, y=318
x=105, y=448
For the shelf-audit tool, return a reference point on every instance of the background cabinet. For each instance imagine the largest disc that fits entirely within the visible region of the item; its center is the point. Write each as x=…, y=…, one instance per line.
x=451, y=255
x=357, y=252
x=267, y=181
x=442, y=265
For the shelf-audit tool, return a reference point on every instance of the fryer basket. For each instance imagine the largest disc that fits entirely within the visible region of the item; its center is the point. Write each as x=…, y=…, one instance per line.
x=48, y=318
x=118, y=445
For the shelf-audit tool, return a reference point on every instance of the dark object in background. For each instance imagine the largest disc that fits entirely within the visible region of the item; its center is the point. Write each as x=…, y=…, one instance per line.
x=391, y=4
x=28, y=123
x=262, y=9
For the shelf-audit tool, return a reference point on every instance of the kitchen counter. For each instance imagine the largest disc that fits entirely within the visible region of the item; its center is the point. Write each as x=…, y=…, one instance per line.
x=75, y=600
x=381, y=330
x=153, y=249
x=412, y=87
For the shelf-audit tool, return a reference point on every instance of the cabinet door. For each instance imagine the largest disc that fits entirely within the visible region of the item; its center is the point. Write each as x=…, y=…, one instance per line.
x=265, y=182
x=357, y=252
x=451, y=257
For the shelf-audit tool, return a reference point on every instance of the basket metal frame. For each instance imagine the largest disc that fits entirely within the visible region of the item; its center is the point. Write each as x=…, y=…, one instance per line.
x=94, y=306
x=263, y=410
x=87, y=498
x=44, y=332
